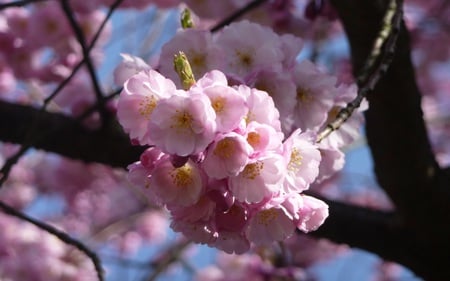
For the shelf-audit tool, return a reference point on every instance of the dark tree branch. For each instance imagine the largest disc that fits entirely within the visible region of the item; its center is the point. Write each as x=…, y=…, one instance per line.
x=19, y=3
x=237, y=14
x=404, y=161
x=64, y=135
x=372, y=230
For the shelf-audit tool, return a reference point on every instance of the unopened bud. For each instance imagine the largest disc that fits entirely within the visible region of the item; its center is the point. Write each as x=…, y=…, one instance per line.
x=186, y=19
x=184, y=71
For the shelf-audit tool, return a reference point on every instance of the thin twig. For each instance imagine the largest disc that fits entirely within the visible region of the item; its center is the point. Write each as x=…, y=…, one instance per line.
x=86, y=53
x=250, y=6
x=61, y=235
x=18, y=3
x=375, y=66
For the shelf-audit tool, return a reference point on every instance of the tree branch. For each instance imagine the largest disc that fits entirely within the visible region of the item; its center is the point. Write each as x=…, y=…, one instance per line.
x=404, y=161
x=63, y=135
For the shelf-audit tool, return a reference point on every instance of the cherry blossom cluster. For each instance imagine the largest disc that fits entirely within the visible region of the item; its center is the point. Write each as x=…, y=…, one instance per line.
x=219, y=161
x=230, y=155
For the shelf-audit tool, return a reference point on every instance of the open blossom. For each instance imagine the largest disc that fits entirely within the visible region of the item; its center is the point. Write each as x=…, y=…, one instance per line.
x=262, y=138
x=138, y=99
x=183, y=125
x=220, y=163
x=176, y=186
x=268, y=225
x=282, y=90
x=261, y=107
x=260, y=179
x=228, y=105
x=50, y=20
x=303, y=159
x=263, y=51
x=200, y=49
x=227, y=156
x=315, y=94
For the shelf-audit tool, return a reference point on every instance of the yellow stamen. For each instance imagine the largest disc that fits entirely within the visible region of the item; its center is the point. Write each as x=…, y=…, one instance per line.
x=251, y=171
x=182, y=120
x=218, y=104
x=296, y=160
x=267, y=216
x=224, y=148
x=182, y=176
x=146, y=106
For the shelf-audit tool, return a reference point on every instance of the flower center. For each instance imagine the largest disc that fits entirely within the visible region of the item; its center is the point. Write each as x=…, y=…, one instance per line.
x=304, y=95
x=251, y=171
x=182, y=120
x=245, y=58
x=224, y=148
x=182, y=176
x=267, y=216
x=253, y=139
x=296, y=160
x=218, y=104
x=146, y=106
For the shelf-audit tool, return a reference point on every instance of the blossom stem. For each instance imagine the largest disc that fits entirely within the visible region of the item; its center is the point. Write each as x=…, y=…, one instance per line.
x=375, y=66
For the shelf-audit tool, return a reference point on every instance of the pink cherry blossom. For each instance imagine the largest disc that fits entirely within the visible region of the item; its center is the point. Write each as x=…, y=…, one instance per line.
x=228, y=105
x=129, y=66
x=259, y=180
x=350, y=130
x=181, y=186
x=137, y=101
x=232, y=220
x=183, y=125
x=332, y=161
x=312, y=214
x=315, y=94
x=261, y=107
x=264, y=51
x=303, y=158
x=200, y=49
x=227, y=156
x=50, y=20
x=269, y=225
x=281, y=88
x=262, y=138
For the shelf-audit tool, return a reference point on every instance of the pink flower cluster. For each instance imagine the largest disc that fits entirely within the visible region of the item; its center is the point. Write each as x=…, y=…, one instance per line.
x=219, y=160
x=305, y=96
